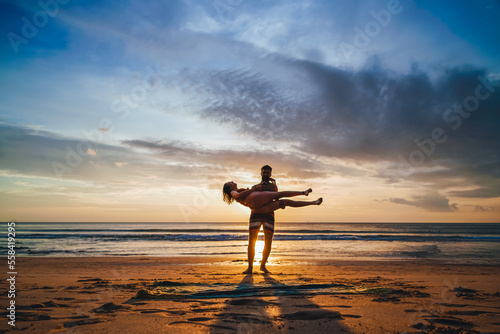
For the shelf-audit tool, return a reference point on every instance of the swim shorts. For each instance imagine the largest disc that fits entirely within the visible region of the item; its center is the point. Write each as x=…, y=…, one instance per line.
x=258, y=219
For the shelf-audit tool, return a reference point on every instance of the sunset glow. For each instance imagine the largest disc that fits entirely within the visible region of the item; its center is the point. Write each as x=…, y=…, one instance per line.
x=122, y=112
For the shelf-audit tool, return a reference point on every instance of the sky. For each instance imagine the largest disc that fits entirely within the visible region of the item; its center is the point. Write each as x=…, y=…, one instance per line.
x=139, y=111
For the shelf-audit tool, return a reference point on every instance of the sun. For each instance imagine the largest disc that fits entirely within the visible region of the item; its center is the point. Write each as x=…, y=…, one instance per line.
x=259, y=247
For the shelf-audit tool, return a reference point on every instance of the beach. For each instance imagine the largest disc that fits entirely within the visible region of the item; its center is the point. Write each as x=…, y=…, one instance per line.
x=209, y=294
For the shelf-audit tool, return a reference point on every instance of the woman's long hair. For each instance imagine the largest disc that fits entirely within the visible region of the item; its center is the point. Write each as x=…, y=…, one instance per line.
x=226, y=194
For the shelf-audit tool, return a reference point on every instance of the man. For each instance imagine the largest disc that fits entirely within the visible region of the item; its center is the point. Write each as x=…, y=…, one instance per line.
x=256, y=220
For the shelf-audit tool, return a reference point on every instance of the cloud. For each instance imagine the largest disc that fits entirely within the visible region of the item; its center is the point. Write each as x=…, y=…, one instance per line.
x=50, y=156
x=273, y=90
x=246, y=83
x=370, y=115
x=432, y=201
x=480, y=208
x=27, y=152
x=223, y=162
x=484, y=192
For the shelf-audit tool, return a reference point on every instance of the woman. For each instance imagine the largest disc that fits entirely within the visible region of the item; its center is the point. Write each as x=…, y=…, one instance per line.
x=264, y=201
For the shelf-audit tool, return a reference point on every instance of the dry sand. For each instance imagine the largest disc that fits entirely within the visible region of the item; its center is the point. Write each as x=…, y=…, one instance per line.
x=96, y=295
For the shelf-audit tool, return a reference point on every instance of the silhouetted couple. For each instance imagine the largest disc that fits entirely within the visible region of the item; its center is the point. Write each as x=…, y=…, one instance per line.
x=263, y=199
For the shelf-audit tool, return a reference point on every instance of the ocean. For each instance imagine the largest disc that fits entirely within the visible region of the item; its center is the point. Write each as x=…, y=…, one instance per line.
x=477, y=243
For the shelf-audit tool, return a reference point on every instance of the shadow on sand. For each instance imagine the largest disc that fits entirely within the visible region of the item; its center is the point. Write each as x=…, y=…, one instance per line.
x=291, y=312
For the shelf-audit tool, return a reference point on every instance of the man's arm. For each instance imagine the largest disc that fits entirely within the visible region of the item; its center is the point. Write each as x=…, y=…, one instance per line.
x=268, y=186
x=240, y=196
x=274, y=187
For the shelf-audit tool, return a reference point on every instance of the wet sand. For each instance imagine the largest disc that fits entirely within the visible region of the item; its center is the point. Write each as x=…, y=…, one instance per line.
x=200, y=295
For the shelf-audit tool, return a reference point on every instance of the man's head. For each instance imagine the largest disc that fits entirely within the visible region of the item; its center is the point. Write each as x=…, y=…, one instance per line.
x=265, y=172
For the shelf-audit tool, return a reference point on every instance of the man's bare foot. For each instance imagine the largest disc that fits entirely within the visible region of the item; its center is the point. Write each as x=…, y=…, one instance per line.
x=248, y=271
x=307, y=192
x=319, y=201
x=264, y=269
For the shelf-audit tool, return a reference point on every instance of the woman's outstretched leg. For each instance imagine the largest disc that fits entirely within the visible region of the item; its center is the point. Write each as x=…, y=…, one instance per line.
x=283, y=203
x=260, y=198
x=297, y=204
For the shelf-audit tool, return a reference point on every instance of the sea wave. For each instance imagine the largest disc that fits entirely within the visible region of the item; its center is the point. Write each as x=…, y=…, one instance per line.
x=244, y=236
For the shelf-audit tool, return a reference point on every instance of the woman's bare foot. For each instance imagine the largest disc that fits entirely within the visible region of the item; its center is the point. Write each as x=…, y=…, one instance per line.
x=248, y=271
x=307, y=192
x=264, y=269
x=319, y=201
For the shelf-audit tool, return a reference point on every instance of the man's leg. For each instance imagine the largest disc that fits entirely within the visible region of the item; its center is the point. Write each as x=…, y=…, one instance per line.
x=268, y=241
x=252, y=239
